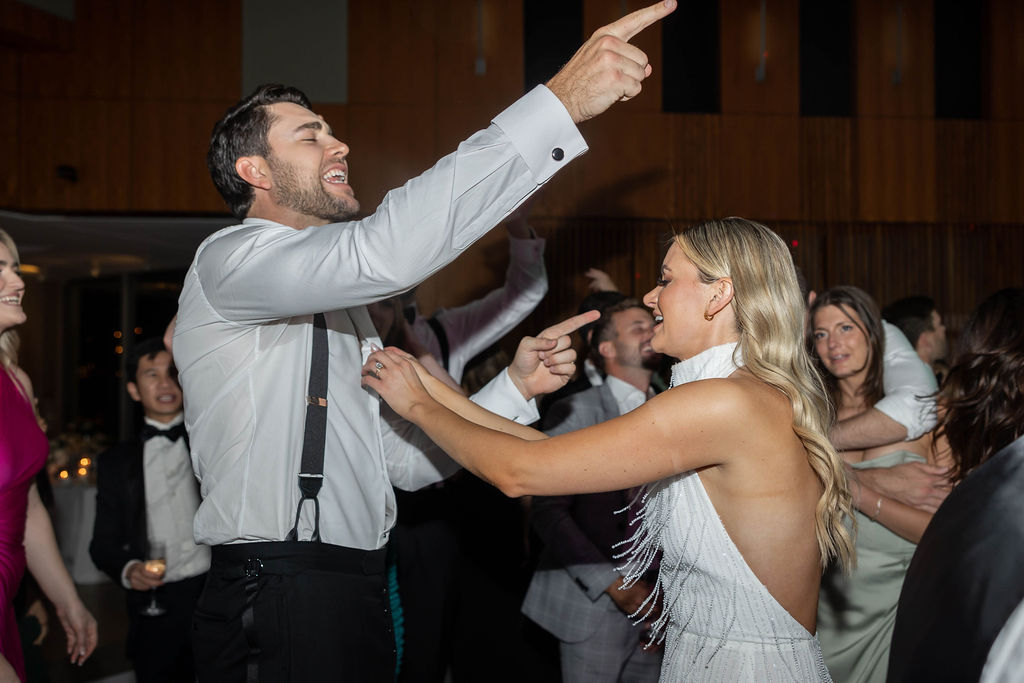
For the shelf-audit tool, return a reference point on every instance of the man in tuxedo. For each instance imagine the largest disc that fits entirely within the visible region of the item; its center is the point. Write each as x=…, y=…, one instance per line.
x=576, y=593
x=147, y=493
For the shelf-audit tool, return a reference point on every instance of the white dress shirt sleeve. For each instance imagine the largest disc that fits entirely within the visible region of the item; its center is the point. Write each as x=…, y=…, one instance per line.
x=909, y=385
x=414, y=461
x=262, y=271
x=475, y=326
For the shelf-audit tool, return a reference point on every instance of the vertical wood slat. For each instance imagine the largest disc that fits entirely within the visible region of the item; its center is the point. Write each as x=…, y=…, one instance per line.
x=890, y=42
x=741, y=54
x=826, y=169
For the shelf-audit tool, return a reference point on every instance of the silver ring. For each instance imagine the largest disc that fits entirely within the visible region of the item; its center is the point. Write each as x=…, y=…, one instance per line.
x=379, y=365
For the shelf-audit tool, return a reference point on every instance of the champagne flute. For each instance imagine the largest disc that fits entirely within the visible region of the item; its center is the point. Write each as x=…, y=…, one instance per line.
x=156, y=564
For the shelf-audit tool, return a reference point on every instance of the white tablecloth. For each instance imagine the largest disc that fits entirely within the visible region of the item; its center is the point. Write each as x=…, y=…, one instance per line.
x=73, y=518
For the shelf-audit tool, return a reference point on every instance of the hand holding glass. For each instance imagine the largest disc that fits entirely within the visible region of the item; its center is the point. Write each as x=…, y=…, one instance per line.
x=156, y=564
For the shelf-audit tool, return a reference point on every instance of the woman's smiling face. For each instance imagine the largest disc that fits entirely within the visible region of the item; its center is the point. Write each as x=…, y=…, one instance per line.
x=840, y=342
x=679, y=300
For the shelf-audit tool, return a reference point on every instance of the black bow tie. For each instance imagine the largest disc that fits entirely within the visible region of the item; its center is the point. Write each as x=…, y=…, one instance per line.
x=174, y=433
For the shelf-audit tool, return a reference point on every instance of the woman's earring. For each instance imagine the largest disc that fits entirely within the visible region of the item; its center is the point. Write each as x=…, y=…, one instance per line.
x=708, y=317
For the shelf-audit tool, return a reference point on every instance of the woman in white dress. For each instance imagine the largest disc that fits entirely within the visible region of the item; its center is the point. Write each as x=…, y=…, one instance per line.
x=748, y=497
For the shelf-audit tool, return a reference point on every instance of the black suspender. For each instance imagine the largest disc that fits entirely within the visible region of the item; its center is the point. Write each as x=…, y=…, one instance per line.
x=311, y=471
x=442, y=338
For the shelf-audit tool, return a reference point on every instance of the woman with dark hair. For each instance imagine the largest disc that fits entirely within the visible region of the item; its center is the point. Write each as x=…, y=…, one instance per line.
x=981, y=407
x=26, y=535
x=746, y=499
x=966, y=579
x=856, y=613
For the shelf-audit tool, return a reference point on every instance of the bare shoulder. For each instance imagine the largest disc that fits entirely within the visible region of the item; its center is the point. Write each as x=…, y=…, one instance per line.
x=732, y=396
x=723, y=416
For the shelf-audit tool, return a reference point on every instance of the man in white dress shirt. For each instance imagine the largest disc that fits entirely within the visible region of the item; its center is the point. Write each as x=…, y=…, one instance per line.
x=148, y=494
x=277, y=607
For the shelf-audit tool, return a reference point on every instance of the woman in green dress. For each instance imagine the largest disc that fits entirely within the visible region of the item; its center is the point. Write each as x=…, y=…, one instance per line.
x=856, y=613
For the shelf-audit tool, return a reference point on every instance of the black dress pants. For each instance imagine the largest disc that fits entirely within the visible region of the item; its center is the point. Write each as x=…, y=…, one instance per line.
x=161, y=647
x=285, y=612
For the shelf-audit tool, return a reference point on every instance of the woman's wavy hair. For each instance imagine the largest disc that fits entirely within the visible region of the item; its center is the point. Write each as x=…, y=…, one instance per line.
x=9, y=340
x=981, y=404
x=769, y=313
x=862, y=311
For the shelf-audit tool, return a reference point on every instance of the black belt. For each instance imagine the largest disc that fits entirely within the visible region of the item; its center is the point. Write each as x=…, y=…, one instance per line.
x=251, y=560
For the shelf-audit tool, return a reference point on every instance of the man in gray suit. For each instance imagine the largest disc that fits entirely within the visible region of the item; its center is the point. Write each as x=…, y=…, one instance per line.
x=576, y=593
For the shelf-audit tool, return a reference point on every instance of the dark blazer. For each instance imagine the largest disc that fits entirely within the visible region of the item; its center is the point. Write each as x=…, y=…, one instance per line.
x=566, y=595
x=966, y=577
x=119, y=534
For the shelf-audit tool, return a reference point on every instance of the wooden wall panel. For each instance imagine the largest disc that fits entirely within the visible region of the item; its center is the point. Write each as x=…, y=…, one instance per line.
x=741, y=54
x=696, y=155
x=168, y=145
x=893, y=36
x=97, y=63
x=186, y=50
x=1006, y=163
x=10, y=67
x=27, y=27
x=93, y=136
x=388, y=147
x=10, y=136
x=895, y=169
x=759, y=167
x=392, y=53
x=961, y=170
x=458, y=46
x=1004, y=61
x=826, y=169
x=627, y=172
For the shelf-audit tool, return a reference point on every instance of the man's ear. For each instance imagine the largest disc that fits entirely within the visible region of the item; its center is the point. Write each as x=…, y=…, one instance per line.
x=723, y=293
x=254, y=170
x=606, y=349
x=133, y=391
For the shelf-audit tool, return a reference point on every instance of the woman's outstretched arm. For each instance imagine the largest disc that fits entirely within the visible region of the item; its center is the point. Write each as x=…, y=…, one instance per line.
x=688, y=427
x=542, y=364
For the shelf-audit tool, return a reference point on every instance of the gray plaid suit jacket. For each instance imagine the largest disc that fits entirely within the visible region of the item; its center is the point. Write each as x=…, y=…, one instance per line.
x=566, y=595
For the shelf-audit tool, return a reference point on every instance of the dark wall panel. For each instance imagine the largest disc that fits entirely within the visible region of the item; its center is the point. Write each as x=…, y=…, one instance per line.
x=691, y=56
x=826, y=58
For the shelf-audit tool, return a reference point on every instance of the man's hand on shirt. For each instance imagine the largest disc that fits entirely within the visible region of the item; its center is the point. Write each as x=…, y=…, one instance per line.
x=917, y=484
x=546, y=362
x=140, y=579
x=607, y=69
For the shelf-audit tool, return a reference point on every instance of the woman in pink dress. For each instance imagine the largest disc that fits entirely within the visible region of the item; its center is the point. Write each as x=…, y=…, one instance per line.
x=26, y=535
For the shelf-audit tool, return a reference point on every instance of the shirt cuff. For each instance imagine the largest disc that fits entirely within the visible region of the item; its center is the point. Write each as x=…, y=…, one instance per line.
x=124, y=573
x=916, y=414
x=501, y=396
x=525, y=250
x=542, y=130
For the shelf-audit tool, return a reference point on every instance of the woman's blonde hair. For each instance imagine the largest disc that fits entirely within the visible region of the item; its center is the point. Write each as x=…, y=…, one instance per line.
x=9, y=341
x=769, y=313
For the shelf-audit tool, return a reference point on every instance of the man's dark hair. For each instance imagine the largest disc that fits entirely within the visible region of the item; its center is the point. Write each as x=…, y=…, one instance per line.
x=603, y=329
x=913, y=315
x=596, y=301
x=242, y=133
x=143, y=349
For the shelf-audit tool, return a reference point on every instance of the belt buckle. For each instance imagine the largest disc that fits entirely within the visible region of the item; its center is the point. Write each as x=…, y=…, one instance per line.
x=253, y=567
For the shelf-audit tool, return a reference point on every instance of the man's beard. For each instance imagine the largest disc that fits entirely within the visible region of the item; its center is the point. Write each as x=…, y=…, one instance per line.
x=291, y=192
x=651, y=362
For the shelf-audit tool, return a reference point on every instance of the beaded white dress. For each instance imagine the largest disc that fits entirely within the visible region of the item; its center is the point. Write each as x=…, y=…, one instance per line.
x=718, y=621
